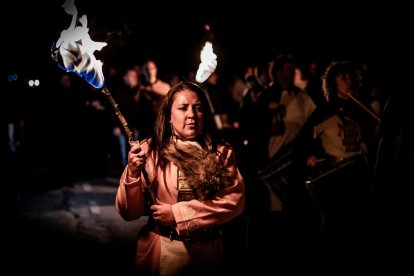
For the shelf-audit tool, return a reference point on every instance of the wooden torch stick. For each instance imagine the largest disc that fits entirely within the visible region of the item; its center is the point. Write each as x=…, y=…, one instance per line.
x=131, y=138
x=121, y=117
x=364, y=108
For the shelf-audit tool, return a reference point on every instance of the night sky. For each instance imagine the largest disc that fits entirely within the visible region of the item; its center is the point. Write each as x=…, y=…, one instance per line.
x=173, y=34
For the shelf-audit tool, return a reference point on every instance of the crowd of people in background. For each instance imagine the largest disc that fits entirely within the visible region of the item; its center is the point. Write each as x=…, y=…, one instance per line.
x=306, y=136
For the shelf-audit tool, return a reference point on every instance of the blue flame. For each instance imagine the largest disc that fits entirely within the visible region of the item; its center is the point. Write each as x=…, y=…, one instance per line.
x=74, y=49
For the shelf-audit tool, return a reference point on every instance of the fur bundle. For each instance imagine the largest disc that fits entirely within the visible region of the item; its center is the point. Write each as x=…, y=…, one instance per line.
x=202, y=170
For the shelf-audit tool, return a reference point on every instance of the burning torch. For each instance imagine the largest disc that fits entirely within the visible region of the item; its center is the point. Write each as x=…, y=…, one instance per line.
x=73, y=52
x=206, y=67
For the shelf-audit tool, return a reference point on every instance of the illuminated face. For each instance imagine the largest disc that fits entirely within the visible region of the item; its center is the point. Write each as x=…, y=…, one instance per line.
x=343, y=85
x=187, y=115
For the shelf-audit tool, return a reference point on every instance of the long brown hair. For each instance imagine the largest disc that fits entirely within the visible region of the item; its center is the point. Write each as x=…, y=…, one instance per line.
x=162, y=133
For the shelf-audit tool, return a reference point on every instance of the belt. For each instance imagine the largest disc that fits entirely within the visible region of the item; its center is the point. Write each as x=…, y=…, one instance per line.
x=203, y=235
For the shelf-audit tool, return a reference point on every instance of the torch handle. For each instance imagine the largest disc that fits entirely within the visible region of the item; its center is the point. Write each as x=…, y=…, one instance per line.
x=365, y=108
x=131, y=139
x=121, y=117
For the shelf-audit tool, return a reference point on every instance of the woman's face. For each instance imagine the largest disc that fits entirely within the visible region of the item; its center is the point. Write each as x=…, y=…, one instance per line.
x=343, y=85
x=187, y=115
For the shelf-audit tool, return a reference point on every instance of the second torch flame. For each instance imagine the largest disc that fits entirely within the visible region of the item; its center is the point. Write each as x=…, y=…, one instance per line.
x=208, y=63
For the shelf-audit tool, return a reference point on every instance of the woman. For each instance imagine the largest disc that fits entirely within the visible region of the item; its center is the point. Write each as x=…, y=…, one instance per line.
x=334, y=151
x=190, y=183
x=341, y=128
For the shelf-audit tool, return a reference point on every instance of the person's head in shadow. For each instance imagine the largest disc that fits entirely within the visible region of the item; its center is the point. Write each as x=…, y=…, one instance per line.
x=282, y=71
x=149, y=72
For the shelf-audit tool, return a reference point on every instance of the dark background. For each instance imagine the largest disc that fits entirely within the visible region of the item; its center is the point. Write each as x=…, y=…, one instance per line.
x=173, y=33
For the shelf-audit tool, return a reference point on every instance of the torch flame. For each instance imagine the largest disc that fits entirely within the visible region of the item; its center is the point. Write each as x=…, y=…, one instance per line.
x=208, y=63
x=74, y=49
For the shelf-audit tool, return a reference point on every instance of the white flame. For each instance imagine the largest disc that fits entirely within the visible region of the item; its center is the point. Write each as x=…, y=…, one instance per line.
x=76, y=48
x=208, y=63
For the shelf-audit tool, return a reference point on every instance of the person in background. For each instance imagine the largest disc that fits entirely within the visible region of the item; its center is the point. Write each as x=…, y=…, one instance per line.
x=280, y=110
x=288, y=107
x=336, y=149
x=189, y=185
x=153, y=92
x=127, y=95
x=151, y=81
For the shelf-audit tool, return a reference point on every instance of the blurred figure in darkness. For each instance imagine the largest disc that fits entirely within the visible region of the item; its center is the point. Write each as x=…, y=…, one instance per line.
x=335, y=152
